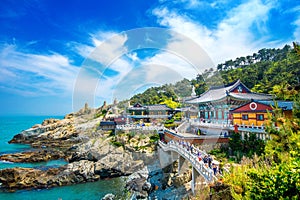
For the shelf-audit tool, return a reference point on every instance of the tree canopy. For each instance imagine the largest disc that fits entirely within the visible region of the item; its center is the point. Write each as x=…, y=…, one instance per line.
x=273, y=71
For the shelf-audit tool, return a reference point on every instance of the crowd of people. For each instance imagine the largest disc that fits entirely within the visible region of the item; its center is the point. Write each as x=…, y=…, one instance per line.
x=208, y=161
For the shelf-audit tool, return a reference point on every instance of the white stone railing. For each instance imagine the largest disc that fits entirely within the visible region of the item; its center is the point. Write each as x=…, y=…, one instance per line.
x=183, y=126
x=224, y=125
x=211, y=124
x=137, y=127
x=148, y=116
x=203, y=170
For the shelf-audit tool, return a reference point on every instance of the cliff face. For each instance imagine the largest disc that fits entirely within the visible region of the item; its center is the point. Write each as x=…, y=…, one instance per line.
x=92, y=154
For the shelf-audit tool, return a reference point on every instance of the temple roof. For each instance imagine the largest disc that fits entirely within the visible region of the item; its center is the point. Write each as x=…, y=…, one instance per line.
x=150, y=107
x=158, y=107
x=138, y=108
x=285, y=105
x=236, y=90
x=252, y=95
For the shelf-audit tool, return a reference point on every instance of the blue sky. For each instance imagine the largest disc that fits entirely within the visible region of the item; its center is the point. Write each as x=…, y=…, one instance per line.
x=44, y=45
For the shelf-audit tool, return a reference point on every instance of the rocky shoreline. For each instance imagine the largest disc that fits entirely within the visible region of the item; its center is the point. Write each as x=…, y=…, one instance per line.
x=92, y=154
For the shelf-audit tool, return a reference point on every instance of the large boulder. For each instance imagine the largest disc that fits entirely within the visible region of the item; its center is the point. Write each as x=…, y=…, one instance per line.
x=110, y=160
x=83, y=170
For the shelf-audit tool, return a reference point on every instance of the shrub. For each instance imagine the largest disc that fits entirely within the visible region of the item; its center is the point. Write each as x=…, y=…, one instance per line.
x=154, y=138
x=117, y=143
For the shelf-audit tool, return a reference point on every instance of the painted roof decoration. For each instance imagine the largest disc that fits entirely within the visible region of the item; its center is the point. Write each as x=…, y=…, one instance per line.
x=235, y=90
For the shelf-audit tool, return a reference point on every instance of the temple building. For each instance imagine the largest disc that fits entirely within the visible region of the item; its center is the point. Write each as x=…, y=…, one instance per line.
x=255, y=113
x=215, y=104
x=148, y=113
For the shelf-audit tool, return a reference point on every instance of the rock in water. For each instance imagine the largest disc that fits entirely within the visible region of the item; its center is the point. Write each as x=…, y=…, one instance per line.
x=147, y=186
x=108, y=197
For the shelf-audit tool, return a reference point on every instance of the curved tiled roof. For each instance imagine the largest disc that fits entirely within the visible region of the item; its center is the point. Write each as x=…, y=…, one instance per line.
x=151, y=107
x=254, y=96
x=221, y=92
x=158, y=107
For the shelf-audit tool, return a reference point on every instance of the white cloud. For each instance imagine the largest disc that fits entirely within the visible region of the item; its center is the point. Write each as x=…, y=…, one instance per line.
x=33, y=74
x=144, y=76
x=106, y=46
x=174, y=63
x=231, y=38
x=133, y=56
x=110, y=50
x=132, y=72
x=296, y=23
x=107, y=52
x=297, y=30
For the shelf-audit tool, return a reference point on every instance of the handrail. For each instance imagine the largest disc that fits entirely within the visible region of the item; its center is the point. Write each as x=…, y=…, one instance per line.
x=183, y=126
x=131, y=126
x=204, y=171
x=228, y=126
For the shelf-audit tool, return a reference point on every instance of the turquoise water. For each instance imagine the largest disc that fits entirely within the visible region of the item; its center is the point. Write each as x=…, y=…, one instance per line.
x=88, y=191
x=9, y=126
x=41, y=165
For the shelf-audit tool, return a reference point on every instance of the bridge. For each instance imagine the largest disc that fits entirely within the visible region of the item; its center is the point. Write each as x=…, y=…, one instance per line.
x=173, y=150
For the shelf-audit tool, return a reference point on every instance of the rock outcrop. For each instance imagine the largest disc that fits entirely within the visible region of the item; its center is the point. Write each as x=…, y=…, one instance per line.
x=21, y=178
x=110, y=161
x=52, y=133
x=75, y=172
x=33, y=156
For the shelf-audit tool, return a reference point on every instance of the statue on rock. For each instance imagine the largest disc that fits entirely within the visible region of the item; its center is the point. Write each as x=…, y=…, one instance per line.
x=115, y=101
x=193, y=91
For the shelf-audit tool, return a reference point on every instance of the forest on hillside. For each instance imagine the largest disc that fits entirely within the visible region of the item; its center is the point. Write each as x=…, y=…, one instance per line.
x=266, y=169
x=273, y=172
x=273, y=71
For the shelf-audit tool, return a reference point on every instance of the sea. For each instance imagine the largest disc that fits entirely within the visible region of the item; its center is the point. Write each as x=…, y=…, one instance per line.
x=12, y=125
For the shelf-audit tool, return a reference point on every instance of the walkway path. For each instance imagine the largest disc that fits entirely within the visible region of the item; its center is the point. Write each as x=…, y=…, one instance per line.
x=197, y=165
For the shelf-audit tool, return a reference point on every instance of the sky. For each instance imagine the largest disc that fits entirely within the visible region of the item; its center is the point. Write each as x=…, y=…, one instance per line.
x=56, y=55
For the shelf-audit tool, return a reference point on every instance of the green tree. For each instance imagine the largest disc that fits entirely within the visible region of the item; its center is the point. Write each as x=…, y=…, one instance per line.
x=276, y=173
x=170, y=103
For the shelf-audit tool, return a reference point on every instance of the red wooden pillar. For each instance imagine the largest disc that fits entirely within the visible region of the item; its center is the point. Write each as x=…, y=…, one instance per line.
x=236, y=128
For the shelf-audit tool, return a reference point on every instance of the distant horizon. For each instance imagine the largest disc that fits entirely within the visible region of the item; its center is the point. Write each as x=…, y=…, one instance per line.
x=30, y=115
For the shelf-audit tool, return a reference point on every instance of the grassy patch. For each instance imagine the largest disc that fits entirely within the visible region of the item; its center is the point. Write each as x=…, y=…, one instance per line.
x=154, y=138
x=117, y=143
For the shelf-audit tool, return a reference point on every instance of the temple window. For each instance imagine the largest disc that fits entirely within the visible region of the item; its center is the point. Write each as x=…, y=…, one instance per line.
x=259, y=117
x=245, y=117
